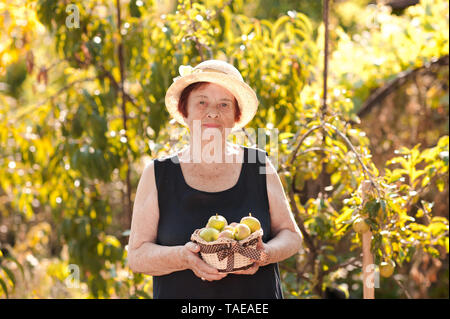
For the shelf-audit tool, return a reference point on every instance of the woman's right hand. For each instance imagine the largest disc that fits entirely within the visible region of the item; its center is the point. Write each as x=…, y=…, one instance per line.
x=197, y=265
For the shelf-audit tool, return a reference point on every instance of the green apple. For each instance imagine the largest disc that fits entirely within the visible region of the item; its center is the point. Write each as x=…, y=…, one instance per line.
x=360, y=226
x=251, y=222
x=218, y=222
x=242, y=231
x=230, y=228
x=209, y=234
x=387, y=268
x=226, y=233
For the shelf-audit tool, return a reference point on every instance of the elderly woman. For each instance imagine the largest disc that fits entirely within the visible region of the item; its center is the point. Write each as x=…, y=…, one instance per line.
x=177, y=194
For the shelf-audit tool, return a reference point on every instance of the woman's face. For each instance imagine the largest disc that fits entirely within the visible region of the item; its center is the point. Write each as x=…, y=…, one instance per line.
x=211, y=105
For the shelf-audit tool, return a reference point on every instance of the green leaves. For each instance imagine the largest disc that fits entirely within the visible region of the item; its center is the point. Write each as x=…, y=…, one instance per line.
x=67, y=158
x=372, y=207
x=433, y=158
x=93, y=163
x=78, y=121
x=16, y=74
x=7, y=277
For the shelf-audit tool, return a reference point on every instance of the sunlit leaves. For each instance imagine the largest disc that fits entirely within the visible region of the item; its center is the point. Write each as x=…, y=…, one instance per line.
x=387, y=44
x=434, y=160
x=64, y=144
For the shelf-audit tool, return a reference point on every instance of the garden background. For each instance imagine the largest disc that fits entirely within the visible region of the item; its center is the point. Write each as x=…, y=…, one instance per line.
x=82, y=86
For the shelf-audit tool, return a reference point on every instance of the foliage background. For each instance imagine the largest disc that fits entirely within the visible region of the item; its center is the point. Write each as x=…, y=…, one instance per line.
x=82, y=111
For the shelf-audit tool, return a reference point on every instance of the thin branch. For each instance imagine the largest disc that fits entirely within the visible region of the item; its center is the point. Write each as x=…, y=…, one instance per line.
x=248, y=136
x=54, y=64
x=301, y=225
x=405, y=291
x=401, y=4
x=198, y=45
x=349, y=144
x=115, y=84
x=323, y=109
x=287, y=268
x=351, y=261
x=312, y=149
x=29, y=109
x=292, y=270
x=289, y=146
x=315, y=149
x=382, y=92
x=124, y=112
x=219, y=11
x=300, y=142
x=117, y=87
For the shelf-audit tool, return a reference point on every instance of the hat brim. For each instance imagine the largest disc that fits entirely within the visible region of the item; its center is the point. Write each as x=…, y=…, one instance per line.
x=244, y=94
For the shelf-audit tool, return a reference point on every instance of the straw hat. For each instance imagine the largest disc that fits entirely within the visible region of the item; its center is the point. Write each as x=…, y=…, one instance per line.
x=218, y=72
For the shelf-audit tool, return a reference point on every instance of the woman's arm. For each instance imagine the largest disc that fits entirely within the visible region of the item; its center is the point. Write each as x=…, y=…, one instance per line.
x=144, y=256
x=287, y=238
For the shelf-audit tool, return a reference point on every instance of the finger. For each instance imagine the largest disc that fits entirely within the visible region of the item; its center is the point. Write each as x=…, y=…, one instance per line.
x=218, y=277
x=264, y=257
x=210, y=277
x=192, y=247
x=250, y=271
x=201, y=266
x=260, y=245
x=242, y=272
x=204, y=267
x=208, y=272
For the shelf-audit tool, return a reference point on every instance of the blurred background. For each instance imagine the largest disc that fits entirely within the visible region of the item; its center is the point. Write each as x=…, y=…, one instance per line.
x=82, y=111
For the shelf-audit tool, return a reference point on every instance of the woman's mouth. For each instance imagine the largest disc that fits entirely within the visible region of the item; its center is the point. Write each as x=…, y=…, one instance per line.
x=210, y=125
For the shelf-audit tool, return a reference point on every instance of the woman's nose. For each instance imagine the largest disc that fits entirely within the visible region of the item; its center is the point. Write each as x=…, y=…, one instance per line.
x=212, y=114
x=213, y=111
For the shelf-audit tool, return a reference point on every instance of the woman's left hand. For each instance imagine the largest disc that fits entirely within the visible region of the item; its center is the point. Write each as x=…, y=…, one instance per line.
x=258, y=263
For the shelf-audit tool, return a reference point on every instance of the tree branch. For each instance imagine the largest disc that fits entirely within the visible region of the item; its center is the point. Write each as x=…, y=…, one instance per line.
x=293, y=156
x=323, y=109
x=117, y=87
x=128, y=205
x=248, y=135
x=401, y=4
x=29, y=109
x=382, y=92
x=364, y=167
x=351, y=261
x=301, y=225
x=402, y=287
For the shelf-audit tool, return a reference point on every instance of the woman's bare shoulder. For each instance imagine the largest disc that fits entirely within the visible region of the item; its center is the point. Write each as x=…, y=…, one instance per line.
x=147, y=180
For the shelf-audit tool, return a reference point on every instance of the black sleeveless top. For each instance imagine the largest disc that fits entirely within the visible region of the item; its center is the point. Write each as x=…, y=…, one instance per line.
x=182, y=209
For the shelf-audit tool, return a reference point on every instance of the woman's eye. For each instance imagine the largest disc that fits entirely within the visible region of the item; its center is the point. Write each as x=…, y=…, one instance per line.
x=224, y=104
x=202, y=102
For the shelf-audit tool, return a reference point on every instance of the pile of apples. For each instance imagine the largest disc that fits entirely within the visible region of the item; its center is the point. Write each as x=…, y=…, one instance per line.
x=217, y=227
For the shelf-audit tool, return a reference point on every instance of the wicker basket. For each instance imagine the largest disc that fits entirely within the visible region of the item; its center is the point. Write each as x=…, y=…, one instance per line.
x=227, y=255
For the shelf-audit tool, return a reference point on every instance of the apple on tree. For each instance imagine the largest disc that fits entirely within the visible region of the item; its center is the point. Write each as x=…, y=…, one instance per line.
x=387, y=268
x=360, y=226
